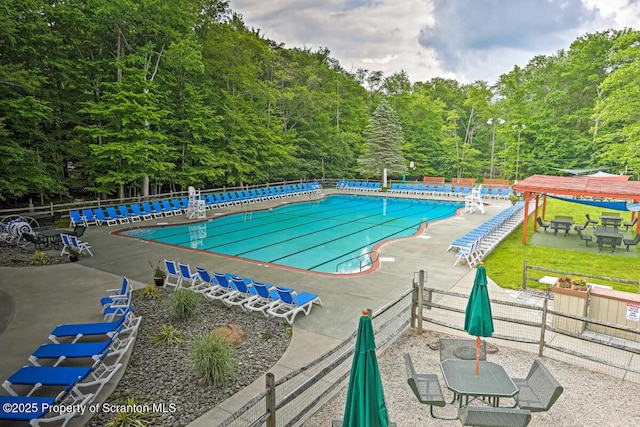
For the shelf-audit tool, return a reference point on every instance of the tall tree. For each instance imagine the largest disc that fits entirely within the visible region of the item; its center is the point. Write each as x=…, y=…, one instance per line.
x=383, y=146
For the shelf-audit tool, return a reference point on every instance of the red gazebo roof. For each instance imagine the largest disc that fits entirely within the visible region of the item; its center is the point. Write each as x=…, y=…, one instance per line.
x=580, y=186
x=537, y=185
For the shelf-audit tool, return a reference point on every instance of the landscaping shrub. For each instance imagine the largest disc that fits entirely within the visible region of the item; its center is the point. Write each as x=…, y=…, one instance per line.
x=212, y=358
x=183, y=304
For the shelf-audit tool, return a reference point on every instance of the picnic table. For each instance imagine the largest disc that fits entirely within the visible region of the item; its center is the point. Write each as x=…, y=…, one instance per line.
x=561, y=223
x=607, y=237
x=610, y=221
x=491, y=384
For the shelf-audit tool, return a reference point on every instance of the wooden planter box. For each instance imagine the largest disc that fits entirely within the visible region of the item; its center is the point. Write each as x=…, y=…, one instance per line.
x=570, y=301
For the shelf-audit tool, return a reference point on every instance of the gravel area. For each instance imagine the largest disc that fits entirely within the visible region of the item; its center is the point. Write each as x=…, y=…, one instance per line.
x=163, y=374
x=589, y=398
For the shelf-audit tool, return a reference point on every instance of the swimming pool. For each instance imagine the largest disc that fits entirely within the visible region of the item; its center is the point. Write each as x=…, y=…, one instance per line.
x=332, y=235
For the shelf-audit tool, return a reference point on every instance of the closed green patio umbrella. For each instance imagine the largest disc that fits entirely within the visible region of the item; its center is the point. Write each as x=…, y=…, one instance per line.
x=478, y=320
x=365, y=405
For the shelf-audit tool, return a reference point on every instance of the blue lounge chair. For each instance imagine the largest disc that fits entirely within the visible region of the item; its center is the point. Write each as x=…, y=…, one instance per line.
x=116, y=347
x=38, y=376
x=127, y=323
x=111, y=212
x=89, y=217
x=116, y=293
x=173, y=277
x=159, y=208
x=118, y=307
x=168, y=208
x=291, y=304
x=209, y=282
x=133, y=217
x=245, y=293
x=188, y=280
x=68, y=398
x=224, y=290
x=180, y=208
x=76, y=218
x=79, y=246
x=136, y=210
x=146, y=207
x=266, y=297
x=101, y=217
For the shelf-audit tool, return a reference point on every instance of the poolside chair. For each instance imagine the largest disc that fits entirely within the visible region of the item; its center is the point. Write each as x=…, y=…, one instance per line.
x=69, y=398
x=581, y=227
x=244, y=293
x=78, y=231
x=169, y=208
x=133, y=217
x=191, y=280
x=76, y=218
x=58, y=353
x=425, y=387
x=224, y=290
x=147, y=209
x=64, y=376
x=159, y=208
x=116, y=293
x=209, y=281
x=136, y=210
x=173, y=274
x=266, y=297
x=111, y=212
x=89, y=217
x=101, y=217
x=542, y=224
x=118, y=307
x=80, y=246
x=290, y=305
x=66, y=244
x=179, y=207
x=128, y=323
x=632, y=242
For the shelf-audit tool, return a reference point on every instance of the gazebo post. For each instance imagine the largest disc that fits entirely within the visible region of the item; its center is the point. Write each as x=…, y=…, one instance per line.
x=527, y=199
x=535, y=215
x=544, y=205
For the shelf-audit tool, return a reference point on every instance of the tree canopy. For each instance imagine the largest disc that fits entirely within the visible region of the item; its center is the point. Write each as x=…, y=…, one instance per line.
x=119, y=98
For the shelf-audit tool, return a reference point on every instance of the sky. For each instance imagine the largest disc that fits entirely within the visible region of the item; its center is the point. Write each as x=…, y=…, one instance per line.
x=465, y=40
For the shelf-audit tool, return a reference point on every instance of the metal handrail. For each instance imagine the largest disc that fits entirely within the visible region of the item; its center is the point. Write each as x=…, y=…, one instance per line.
x=360, y=257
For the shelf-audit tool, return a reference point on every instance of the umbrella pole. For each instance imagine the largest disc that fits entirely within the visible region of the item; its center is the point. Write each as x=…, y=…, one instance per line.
x=478, y=342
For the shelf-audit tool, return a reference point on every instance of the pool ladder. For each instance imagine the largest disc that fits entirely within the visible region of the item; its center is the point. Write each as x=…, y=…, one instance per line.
x=373, y=257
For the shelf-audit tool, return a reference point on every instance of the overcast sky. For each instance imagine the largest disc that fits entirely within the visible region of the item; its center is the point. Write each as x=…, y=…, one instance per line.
x=466, y=40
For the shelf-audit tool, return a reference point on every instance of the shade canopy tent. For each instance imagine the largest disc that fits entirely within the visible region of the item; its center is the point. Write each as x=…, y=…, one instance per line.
x=584, y=186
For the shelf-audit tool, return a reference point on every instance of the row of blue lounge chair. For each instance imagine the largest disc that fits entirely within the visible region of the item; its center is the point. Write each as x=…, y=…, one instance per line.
x=248, y=294
x=477, y=243
x=364, y=186
x=79, y=383
x=135, y=212
x=449, y=190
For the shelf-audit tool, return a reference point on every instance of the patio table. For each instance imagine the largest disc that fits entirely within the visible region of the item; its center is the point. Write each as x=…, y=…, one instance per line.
x=52, y=236
x=605, y=237
x=492, y=383
x=611, y=221
x=561, y=224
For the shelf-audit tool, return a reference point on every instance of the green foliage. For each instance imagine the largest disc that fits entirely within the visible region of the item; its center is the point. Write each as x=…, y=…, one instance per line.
x=39, y=258
x=183, y=304
x=131, y=418
x=169, y=335
x=212, y=358
x=151, y=292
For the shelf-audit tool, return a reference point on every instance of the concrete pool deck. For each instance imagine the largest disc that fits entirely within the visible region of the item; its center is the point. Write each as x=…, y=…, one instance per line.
x=69, y=293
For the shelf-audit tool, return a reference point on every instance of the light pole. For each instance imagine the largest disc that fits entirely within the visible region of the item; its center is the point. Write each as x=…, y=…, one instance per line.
x=498, y=121
x=520, y=129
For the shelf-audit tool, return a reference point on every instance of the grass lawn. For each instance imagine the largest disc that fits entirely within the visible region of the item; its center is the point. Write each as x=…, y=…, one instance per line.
x=505, y=264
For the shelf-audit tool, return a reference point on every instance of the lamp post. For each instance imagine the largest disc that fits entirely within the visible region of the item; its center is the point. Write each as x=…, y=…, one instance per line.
x=498, y=121
x=520, y=129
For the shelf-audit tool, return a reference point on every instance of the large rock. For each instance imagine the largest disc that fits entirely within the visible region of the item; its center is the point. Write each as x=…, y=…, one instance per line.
x=234, y=334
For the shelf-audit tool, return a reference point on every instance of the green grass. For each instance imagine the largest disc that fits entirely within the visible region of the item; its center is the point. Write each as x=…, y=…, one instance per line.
x=504, y=265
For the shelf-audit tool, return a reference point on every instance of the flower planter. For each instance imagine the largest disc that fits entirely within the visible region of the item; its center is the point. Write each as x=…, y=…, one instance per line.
x=159, y=281
x=571, y=301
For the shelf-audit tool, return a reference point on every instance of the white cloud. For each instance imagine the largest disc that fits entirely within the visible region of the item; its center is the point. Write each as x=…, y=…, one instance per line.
x=463, y=39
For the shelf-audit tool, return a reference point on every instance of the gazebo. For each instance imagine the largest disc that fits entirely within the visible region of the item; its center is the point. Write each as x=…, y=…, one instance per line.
x=541, y=185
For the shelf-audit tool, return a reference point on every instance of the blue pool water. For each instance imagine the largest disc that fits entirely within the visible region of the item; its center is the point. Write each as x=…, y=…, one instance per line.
x=332, y=235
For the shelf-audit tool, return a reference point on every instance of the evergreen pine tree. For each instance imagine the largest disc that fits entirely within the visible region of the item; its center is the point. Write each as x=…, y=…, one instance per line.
x=383, y=146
